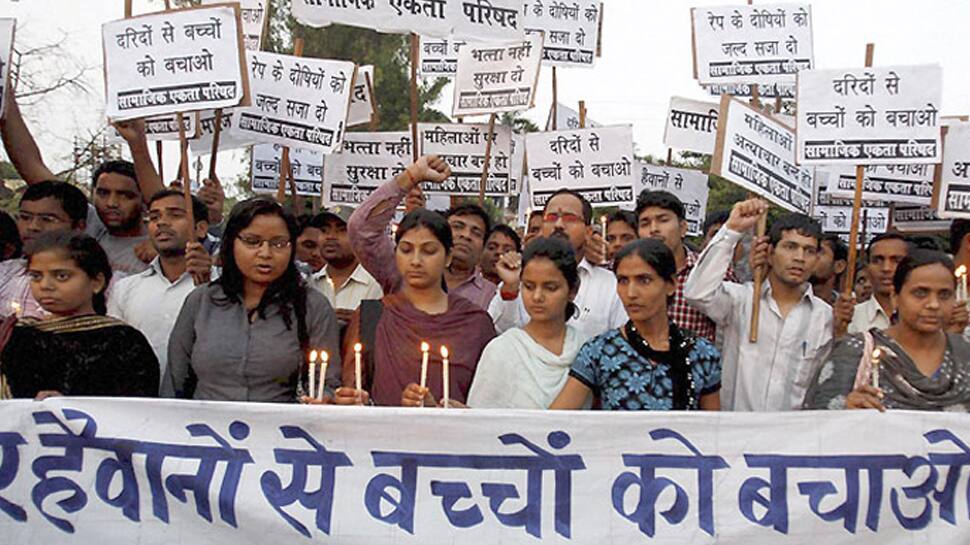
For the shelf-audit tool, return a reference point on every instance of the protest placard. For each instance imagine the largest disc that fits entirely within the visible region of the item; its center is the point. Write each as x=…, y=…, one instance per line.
x=764, y=43
x=953, y=199
x=598, y=163
x=758, y=153
x=163, y=127
x=870, y=116
x=765, y=90
x=910, y=218
x=8, y=26
x=906, y=183
x=691, y=125
x=299, y=102
x=517, y=164
x=306, y=167
x=497, y=78
x=362, y=103
x=367, y=160
x=463, y=148
x=835, y=215
x=689, y=185
x=572, y=30
x=255, y=20
x=482, y=20
x=174, y=61
x=228, y=137
x=438, y=57
x=567, y=119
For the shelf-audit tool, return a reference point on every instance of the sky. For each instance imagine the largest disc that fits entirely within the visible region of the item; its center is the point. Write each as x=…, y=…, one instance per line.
x=646, y=60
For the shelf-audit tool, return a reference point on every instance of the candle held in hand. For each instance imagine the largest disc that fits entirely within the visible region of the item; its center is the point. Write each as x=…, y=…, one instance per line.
x=324, y=363
x=876, y=354
x=357, y=377
x=425, y=347
x=445, y=379
x=313, y=370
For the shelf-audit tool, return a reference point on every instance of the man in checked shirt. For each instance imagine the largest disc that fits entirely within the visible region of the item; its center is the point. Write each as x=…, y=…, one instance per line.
x=660, y=215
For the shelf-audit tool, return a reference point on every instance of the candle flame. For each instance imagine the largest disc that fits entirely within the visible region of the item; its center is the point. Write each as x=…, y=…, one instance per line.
x=324, y=356
x=313, y=356
x=15, y=306
x=876, y=354
x=358, y=347
x=425, y=346
x=961, y=271
x=444, y=352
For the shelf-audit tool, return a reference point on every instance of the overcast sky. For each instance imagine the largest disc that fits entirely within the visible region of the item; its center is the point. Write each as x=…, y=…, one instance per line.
x=646, y=60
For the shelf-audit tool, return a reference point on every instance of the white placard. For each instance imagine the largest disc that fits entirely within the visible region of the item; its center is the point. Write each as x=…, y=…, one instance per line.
x=758, y=153
x=362, y=101
x=598, y=163
x=918, y=219
x=306, y=166
x=870, y=116
x=689, y=185
x=483, y=20
x=497, y=78
x=255, y=19
x=297, y=101
x=571, y=28
x=228, y=138
x=954, y=196
x=763, y=43
x=163, y=127
x=765, y=90
x=368, y=160
x=568, y=119
x=517, y=164
x=463, y=148
x=8, y=27
x=907, y=183
x=438, y=57
x=691, y=125
x=174, y=61
x=835, y=216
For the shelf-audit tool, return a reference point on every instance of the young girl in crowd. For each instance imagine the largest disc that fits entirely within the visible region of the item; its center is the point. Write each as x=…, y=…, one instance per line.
x=77, y=350
x=650, y=363
x=527, y=368
x=246, y=336
x=920, y=367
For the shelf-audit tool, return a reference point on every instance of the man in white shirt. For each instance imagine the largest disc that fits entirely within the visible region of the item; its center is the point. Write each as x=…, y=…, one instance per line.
x=567, y=215
x=343, y=280
x=885, y=252
x=794, y=327
x=150, y=301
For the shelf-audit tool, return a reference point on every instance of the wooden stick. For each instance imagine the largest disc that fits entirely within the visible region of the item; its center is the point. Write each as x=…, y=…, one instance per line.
x=488, y=159
x=759, y=280
x=375, y=118
x=582, y=114
x=670, y=156
x=555, y=99
x=860, y=173
x=158, y=152
x=756, y=96
x=285, y=170
x=778, y=104
x=127, y=9
x=184, y=165
x=216, y=132
x=414, y=97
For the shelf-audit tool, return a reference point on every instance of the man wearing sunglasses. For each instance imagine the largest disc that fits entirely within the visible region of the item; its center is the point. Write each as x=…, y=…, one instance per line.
x=569, y=216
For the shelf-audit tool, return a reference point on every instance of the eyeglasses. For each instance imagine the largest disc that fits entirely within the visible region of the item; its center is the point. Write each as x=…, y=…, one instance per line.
x=255, y=243
x=46, y=219
x=566, y=217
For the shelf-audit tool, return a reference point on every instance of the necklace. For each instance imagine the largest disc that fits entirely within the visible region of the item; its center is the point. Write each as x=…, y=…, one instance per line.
x=682, y=376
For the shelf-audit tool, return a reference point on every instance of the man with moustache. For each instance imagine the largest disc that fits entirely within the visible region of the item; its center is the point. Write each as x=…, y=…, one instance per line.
x=470, y=225
x=343, y=280
x=884, y=254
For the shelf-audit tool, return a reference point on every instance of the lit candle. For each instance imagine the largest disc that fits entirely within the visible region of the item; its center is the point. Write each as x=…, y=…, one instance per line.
x=961, y=274
x=357, y=378
x=444, y=375
x=324, y=363
x=425, y=347
x=15, y=307
x=876, y=354
x=313, y=369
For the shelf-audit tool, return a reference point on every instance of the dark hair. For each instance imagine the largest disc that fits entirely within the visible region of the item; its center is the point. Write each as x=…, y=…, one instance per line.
x=653, y=252
x=432, y=221
x=717, y=217
x=562, y=255
x=839, y=248
x=317, y=221
x=919, y=258
x=533, y=214
x=117, y=166
x=72, y=200
x=885, y=236
x=200, y=212
x=472, y=210
x=660, y=199
x=626, y=217
x=84, y=251
x=9, y=234
x=959, y=230
x=801, y=223
x=587, y=208
x=507, y=231
x=288, y=291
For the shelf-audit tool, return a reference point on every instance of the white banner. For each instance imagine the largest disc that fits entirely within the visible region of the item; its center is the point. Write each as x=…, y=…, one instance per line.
x=367, y=161
x=463, y=148
x=954, y=197
x=764, y=43
x=691, y=125
x=8, y=27
x=572, y=30
x=498, y=78
x=598, y=163
x=690, y=186
x=297, y=101
x=438, y=57
x=174, y=61
x=255, y=19
x=568, y=119
x=306, y=166
x=363, y=105
x=918, y=219
x=757, y=153
x=95, y=471
x=870, y=116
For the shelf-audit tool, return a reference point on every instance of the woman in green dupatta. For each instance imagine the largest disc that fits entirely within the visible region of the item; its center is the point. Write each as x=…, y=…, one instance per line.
x=77, y=351
x=913, y=364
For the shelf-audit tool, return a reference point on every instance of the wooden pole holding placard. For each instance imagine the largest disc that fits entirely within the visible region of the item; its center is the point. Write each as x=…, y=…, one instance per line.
x=158, y=152
x=184, y=164
x=415, y=50
x=128, y=9
x=860, y=172
x=555, y=100
x=285, y=171
x=490, y=135
x=216, y=133
x=582, y=114
x=759, y=274
x=375, y=118
x=670, y=156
